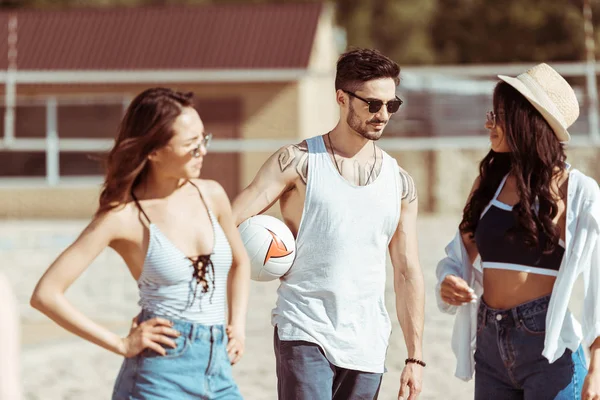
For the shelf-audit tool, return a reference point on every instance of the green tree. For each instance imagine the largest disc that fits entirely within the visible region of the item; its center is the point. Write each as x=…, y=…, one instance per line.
x=401, y=29
x=489, y=31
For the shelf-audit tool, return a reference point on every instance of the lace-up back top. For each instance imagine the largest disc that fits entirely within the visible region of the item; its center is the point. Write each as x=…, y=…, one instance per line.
x=182, y=287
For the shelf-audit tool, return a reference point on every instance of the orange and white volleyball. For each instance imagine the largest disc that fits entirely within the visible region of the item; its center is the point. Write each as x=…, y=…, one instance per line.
x=270, y=245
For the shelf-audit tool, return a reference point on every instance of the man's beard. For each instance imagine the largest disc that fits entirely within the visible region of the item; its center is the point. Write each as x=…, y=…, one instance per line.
x=362, y=129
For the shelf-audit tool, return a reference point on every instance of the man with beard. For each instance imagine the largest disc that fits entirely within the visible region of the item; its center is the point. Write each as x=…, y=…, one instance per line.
x=346, y=201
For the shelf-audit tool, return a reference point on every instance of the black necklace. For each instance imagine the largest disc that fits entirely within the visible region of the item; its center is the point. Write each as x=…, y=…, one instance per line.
x=338, y=168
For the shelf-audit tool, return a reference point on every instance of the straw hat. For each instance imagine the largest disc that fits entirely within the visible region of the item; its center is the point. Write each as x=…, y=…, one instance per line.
x=550, y=94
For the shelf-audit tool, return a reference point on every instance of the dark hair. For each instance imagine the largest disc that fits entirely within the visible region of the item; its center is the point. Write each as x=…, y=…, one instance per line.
x=361, y=65
x=146, y=127
x=535, y=156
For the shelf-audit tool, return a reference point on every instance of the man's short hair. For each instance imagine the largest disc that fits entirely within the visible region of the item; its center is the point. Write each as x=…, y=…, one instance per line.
x=358, y=66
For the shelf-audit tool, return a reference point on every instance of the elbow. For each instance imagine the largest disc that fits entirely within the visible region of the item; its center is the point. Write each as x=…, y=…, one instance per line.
x=42, y=299
x=595, y=344
x=37, y=301
x=412, y=275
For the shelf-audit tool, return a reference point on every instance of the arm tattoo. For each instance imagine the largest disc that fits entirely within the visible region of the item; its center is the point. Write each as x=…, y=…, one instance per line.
x=295, y=156
x=286, y=157
x=302, y=167
x=408, y=188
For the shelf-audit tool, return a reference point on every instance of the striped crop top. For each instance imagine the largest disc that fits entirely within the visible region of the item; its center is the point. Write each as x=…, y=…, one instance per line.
x=189, y=288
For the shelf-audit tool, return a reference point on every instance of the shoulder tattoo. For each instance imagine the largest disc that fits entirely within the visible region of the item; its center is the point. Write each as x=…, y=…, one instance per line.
x=294, y=156
x=407, y=187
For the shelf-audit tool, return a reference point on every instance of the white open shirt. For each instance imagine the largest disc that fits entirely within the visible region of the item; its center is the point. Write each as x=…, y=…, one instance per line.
x=582, y=256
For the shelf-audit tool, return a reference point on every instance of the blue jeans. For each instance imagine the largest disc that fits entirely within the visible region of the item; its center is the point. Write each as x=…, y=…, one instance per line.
x=304, y=373
x=509, y=362
x=198, y=368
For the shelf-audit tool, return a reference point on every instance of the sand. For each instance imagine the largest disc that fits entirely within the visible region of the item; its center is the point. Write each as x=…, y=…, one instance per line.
x=57, y=365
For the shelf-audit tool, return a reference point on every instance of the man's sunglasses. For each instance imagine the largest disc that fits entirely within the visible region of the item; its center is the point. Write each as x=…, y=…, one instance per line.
x=375, y=105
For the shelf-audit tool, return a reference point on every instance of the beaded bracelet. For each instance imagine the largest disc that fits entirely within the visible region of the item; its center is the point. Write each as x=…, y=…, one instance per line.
x=415, y=361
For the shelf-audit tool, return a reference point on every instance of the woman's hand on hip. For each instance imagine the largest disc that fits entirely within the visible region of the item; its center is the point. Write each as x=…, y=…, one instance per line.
x=149, y=334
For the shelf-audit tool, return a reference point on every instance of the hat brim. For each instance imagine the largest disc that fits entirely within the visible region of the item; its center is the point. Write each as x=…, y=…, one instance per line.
x=561, y=133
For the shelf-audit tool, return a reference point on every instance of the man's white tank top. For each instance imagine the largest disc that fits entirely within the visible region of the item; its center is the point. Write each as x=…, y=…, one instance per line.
x=333, y=294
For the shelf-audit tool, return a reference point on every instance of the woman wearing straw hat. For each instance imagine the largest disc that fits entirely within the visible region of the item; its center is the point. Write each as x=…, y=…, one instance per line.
x=530, y=228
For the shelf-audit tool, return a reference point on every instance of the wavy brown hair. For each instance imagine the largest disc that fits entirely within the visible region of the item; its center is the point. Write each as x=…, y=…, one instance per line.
x=145, y=128
x=536, y=155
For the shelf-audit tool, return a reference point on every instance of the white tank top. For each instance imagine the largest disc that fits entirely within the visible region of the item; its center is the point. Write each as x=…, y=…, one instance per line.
x=334, y=293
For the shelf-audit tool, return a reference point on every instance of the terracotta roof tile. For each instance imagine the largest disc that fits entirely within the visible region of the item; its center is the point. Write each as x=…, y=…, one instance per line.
x=201, y=37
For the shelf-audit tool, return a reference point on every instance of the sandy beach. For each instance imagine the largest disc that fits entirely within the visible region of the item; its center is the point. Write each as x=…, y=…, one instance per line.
x=57, y=365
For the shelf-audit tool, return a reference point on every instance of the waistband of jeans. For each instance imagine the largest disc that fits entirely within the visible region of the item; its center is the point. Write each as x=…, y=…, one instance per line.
x=192, y=330
x=512, y=316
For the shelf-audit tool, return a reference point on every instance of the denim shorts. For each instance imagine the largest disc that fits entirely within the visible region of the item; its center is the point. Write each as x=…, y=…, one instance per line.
x=198, y=368
x=509, y=362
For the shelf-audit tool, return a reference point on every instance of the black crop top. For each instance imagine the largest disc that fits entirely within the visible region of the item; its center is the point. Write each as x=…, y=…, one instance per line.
x=496, y=247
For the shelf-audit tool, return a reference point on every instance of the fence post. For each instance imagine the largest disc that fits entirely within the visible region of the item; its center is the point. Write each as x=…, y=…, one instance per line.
x=592, y=89
x=11, y=81
x=52, y=145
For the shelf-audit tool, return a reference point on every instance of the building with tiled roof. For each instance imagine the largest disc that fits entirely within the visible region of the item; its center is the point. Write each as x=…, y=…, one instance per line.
x=258, y=71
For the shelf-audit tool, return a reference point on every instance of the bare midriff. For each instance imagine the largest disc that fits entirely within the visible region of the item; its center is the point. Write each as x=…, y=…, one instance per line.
x=504, y=289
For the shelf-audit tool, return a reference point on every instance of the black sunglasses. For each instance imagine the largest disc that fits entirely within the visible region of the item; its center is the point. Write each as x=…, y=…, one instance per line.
x=375, y=105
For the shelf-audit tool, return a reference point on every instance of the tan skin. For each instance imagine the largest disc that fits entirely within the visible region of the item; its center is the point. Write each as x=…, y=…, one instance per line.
x=506, y=289
x=283, y=177
x=171, y=202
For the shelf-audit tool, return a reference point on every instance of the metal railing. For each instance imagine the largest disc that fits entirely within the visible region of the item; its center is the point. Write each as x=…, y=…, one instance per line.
x=52, y=144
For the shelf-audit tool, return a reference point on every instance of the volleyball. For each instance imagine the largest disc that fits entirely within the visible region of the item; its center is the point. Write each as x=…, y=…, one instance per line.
x=270, y=245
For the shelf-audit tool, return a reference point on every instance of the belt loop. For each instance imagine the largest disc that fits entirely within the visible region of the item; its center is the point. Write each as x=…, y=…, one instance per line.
x=484, y=312
x=192, y=333
x=516, y=317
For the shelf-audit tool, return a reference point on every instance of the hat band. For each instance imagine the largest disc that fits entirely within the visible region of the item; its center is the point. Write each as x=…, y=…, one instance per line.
x=542, y=98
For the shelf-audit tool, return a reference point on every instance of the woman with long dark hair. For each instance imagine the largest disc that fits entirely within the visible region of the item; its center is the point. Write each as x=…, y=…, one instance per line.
x=176, y=234
x=530, y=227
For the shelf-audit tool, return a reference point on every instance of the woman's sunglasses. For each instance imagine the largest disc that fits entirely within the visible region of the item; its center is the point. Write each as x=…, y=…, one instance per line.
x=205, y=141
x=492, y=118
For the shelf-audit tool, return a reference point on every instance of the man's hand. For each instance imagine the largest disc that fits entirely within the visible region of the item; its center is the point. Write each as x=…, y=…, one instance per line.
x=411, y=382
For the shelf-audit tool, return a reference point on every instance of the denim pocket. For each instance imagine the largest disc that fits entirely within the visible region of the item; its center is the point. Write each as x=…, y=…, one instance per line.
x=534, y=324
x=182, y=343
